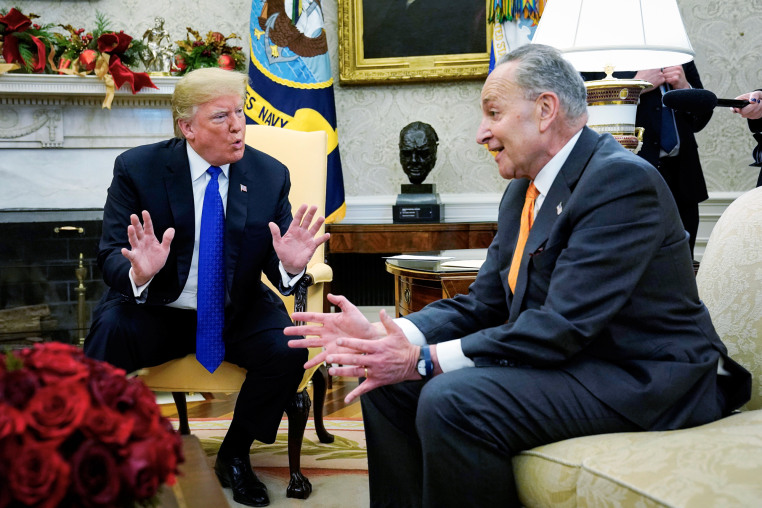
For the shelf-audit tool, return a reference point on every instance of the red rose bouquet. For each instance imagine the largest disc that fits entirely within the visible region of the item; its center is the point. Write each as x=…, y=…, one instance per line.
x=77, y=432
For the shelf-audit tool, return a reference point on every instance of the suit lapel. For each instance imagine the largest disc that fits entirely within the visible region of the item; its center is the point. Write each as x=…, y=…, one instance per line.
x=235, y=219
x=179, y=187
x=553, y=207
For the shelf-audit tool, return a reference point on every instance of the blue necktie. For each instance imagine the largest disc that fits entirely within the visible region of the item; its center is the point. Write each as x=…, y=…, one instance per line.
x=668, y=129
x=210, y=350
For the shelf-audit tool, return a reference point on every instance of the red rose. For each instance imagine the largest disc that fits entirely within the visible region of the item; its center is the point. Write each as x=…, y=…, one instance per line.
x=20, y=386
x=115, y=43
x=95, y=474
x=144, y=411
x=140, y=471
x=226, y=62
x=107, y=426
x=12, y=421
x=39, y=476
x=56, y=411
x=108, y=385
x=88, y=58
x=56, y=361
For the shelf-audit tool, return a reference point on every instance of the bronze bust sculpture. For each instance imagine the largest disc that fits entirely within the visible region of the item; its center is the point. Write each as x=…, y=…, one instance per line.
x=418, y=202
x=418, y=150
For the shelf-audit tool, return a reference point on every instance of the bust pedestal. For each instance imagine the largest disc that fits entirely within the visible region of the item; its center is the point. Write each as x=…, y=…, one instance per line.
x=418, y=203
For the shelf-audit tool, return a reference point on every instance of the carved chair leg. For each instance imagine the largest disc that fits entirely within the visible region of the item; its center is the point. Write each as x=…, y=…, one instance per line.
x=297, y=411
x=319, y=382
x=182, y=412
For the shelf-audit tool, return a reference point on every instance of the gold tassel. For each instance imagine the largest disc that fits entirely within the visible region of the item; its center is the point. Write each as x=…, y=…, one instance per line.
x=101, y=70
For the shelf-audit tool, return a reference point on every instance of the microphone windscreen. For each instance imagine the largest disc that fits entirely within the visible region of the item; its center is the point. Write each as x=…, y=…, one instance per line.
x=696, y=100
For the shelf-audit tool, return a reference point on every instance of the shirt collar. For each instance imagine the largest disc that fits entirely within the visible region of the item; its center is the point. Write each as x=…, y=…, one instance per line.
x=547, y=175
x=198, y=165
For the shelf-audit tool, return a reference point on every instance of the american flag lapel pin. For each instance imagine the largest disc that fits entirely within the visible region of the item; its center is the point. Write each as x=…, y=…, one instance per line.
x=243, y=188
x=559, y=208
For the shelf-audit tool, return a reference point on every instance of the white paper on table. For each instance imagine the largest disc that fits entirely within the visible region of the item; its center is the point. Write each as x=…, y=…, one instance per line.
x=413, y=257
x=463, y=263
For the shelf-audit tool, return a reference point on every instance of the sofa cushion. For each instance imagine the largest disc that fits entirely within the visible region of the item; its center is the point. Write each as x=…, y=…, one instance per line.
x=718, y=464
x=547, y=475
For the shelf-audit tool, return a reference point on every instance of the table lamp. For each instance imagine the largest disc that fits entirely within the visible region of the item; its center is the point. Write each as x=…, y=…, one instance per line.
x=615, y=35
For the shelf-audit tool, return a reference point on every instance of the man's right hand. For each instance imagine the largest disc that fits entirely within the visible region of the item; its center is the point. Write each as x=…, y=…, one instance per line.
x=147, y=255
x=323, y=329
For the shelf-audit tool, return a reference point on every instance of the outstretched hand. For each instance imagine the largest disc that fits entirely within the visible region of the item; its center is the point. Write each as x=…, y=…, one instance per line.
x=147, y=255
x=325, y=328
x=385, y=361
x=296, y=247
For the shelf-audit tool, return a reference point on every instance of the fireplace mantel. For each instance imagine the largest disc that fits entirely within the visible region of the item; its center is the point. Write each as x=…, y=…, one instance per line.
x=59, y=144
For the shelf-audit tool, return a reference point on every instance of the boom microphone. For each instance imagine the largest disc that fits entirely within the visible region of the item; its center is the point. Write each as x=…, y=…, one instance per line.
x=698, y=100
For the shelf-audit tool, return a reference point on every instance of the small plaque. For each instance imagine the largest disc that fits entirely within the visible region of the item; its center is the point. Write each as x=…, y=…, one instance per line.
x=417, y=213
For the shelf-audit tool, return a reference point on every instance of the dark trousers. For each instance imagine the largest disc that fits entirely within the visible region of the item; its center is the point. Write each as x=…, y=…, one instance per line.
x=132, y=336
x=450, y=441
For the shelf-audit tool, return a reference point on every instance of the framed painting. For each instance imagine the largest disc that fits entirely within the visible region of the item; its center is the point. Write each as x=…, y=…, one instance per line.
x=382, y=41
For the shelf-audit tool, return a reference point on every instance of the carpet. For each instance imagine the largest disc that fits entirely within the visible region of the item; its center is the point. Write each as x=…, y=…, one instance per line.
x=338, y=471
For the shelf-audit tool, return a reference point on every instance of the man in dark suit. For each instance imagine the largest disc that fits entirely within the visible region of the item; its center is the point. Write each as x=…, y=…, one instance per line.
x=753, y=112
x=594, y=326
x=678, y=163
x=149, y=314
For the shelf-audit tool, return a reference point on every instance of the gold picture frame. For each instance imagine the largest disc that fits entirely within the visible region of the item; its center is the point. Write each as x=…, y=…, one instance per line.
x=356, y=69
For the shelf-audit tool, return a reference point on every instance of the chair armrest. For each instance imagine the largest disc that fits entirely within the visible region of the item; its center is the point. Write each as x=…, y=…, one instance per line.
x=320, y=272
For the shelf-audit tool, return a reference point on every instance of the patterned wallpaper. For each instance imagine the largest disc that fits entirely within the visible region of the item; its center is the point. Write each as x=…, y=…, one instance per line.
x=725, y=36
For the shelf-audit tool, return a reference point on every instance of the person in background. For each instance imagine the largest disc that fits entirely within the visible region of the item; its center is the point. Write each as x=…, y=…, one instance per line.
x=584, y=318
x=163, y=263
x=753, y=112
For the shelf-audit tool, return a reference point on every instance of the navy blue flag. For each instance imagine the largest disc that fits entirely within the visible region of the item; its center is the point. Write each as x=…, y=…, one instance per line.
x=290, y=80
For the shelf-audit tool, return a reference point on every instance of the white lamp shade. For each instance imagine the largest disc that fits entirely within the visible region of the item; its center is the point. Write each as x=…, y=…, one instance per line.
x=628, y=35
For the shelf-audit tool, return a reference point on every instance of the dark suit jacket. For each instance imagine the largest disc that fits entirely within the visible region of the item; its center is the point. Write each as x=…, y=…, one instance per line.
x=157, y=178
x=755, y=126
x=605, y=292
x=687, y=184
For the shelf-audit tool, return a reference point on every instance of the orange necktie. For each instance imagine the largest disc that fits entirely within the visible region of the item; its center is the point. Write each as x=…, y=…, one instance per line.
x=527, y=219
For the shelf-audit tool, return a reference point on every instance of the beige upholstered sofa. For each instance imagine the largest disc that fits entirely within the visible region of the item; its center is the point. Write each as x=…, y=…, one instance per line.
x=714, y=465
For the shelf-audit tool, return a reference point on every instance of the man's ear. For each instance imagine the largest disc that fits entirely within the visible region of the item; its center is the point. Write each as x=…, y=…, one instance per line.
x=186, y=128
x=548, y=108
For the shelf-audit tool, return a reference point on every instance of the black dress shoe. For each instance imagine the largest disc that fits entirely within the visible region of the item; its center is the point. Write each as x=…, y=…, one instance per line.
x=237, y=474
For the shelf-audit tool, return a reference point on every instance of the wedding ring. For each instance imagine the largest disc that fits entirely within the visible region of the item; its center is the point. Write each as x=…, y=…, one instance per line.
x=366, y=373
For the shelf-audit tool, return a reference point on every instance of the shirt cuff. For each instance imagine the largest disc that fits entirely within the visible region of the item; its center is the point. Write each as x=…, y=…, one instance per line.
x=289, y=281
x=413, y=334
x=138, y=291
x=450, y=356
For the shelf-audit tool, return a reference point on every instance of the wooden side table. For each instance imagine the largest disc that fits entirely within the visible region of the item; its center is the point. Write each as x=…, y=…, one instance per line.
x=197, y=485
x=417, y=283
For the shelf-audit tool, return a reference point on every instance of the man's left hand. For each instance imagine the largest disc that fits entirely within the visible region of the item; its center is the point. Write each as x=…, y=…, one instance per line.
x=385, y=361
x=296, y=247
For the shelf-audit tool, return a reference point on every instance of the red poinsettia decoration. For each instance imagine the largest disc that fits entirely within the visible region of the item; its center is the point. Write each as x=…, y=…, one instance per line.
x=16, y=32
x=78, y=432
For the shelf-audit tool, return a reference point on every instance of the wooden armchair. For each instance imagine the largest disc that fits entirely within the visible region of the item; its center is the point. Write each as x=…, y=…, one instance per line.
x=304, y=153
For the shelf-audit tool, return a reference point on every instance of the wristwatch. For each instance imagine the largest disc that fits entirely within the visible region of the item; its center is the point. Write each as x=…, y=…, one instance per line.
x=425, y=365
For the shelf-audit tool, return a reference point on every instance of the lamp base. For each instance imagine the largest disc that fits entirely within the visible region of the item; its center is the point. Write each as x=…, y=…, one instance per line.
x=612, y=105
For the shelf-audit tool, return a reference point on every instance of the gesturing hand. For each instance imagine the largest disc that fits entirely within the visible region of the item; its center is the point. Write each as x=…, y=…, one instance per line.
x=296, y=247
x=326, y=328
x=147, y=255
x=385, y=361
